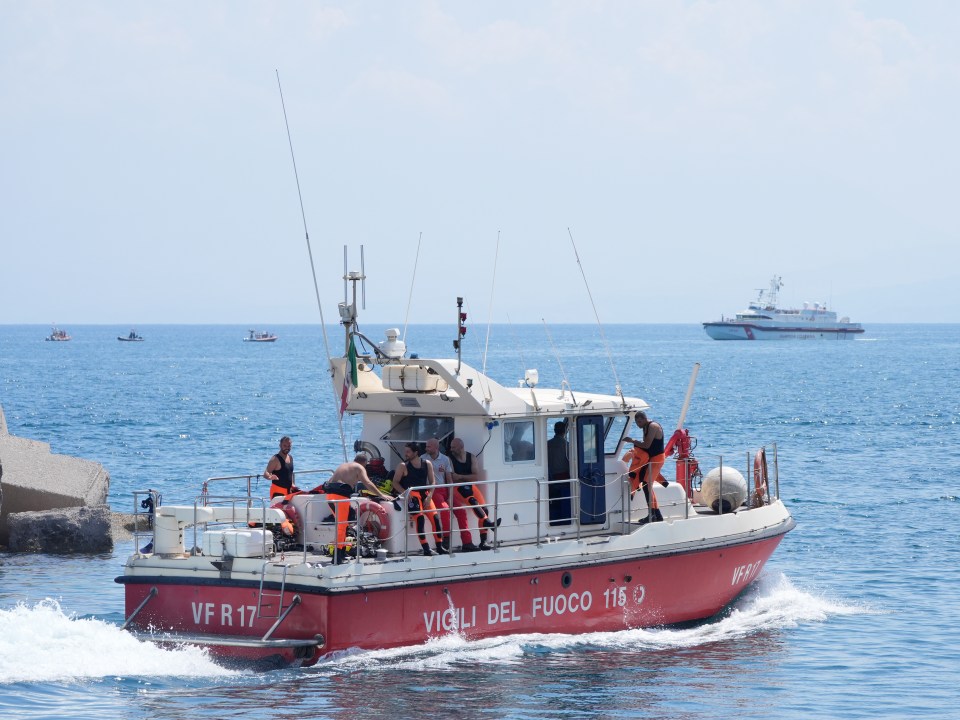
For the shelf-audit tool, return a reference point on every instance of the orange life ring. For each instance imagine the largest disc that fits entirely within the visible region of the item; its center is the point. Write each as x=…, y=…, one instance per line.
x=760, y=477
x=372, y=517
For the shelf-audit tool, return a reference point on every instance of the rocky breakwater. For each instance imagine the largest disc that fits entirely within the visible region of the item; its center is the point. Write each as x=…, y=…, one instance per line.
x=51, y=503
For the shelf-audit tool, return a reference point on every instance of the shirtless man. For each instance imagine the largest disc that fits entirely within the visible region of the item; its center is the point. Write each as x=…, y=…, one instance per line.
x=341, y=485
x=345, y=478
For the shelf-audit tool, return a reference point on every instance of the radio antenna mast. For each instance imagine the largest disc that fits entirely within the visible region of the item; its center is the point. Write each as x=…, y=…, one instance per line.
x=412, y=278
x=313, y=271
x=493, y=284
x=606, y=345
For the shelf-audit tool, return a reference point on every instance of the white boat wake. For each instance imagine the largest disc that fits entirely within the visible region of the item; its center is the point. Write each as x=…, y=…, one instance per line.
x=40, y=643
x=772, y=603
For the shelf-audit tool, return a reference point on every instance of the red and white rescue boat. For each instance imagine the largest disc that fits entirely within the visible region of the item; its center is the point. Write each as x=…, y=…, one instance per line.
x=569, y=555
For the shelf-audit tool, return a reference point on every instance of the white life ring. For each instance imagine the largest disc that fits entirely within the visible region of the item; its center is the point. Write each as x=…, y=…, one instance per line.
x=372, y=517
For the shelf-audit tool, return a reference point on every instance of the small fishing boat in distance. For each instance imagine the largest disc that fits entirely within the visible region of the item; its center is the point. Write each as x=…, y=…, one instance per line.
x=132, y=337
x=764, y=320
x=57, y=335
x=260, y=336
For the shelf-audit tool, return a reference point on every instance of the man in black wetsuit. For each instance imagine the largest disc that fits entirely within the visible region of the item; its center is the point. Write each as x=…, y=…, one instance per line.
x=280, y=470
x=652, y=444
x=416, y=472
x=465, y=471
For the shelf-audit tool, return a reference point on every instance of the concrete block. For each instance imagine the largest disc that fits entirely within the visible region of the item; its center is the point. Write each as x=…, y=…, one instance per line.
x=34, y=479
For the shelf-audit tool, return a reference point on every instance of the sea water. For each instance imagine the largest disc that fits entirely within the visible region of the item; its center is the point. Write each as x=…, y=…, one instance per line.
x=854, y=616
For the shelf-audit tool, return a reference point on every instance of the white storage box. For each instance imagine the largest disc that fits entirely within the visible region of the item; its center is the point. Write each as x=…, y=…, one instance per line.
x=237, y=543
x=412, y=378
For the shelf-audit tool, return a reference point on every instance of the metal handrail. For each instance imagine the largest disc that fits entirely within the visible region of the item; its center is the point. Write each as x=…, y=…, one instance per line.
x=204, y=491
x=251, y=509
x=324, y=500
x=495, y=505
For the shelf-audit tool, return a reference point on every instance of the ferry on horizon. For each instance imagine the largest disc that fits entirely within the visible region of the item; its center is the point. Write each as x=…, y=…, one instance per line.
x=764, y=320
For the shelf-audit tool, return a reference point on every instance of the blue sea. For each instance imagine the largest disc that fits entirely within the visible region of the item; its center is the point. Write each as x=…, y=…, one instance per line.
x=855, y=616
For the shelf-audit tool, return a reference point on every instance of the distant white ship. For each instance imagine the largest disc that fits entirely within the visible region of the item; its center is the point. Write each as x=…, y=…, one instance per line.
x=763, y=320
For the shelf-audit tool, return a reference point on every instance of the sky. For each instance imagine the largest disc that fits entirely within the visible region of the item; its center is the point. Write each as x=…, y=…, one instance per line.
x=637, y=162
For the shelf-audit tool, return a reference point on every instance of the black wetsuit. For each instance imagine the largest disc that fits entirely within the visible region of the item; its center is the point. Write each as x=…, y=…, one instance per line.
x=332, y=487
x=284, y=473
x=463, y=468
x=414, y=477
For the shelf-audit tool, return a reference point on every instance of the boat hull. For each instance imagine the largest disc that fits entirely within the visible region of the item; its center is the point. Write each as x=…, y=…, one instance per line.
x=754, y=331
x=588, y=596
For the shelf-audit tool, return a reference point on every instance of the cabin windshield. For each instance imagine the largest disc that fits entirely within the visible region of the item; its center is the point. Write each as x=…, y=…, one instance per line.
x=419, y=429
x=613, y=431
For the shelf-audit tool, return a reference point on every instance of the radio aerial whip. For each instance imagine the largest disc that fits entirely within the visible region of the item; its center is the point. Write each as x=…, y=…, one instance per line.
x=313, y=271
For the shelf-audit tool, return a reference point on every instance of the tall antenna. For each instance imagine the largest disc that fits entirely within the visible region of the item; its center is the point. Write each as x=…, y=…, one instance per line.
x=313, y=271
x=513, y=335
x=493, y=283
x=603, y=335
x=562, y=371
x=412, y=278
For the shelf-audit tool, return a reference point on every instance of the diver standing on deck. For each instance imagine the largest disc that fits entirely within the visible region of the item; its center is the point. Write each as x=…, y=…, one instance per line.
x=280, y=470
x=652, y=444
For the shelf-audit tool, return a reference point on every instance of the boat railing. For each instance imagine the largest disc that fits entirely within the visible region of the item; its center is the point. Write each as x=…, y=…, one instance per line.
x=253, y=480
x=248, y=509
x=763, y=487
x=363, y=526
x=492, y=509
x=244, y=511
x=145, y=504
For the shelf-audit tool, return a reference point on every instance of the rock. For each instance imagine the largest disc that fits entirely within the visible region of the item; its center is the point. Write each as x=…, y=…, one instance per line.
x=65, y=530
x=123, y=525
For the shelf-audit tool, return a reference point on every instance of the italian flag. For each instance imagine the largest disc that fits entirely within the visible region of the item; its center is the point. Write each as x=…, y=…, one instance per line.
x=350, y=378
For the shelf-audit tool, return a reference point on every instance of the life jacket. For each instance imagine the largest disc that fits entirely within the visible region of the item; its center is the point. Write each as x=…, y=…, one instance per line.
x=292, y=521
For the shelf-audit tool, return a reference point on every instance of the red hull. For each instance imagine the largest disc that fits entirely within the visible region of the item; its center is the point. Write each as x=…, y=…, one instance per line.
x=612, y=596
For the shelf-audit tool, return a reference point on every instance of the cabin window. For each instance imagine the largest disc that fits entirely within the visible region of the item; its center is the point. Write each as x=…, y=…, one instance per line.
x=613, y=432
x=519, y=443
x=590, y=444
x=419, y=429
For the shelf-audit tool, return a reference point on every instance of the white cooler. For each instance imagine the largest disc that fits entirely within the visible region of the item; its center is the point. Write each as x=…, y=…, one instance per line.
x=237, y=543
